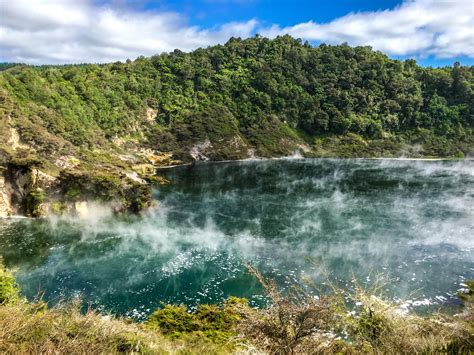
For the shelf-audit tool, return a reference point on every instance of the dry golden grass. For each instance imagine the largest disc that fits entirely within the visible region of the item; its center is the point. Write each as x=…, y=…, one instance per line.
x=295, y=322
x=380, y=326
x=27, y=328
x=34, y=329
x=354, y=321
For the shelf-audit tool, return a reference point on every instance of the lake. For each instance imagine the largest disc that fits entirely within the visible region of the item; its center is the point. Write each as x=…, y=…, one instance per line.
x=410, y=222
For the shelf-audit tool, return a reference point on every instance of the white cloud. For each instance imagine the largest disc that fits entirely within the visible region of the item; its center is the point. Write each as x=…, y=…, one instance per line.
x=71, y=31
x=443, y=28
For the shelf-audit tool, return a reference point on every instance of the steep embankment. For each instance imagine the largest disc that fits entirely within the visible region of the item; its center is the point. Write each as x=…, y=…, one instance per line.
x=36, y=183
x=99, y=131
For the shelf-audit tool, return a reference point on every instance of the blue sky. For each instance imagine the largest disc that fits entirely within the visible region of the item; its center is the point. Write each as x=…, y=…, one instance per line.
x=208, y=13
x=434, y=32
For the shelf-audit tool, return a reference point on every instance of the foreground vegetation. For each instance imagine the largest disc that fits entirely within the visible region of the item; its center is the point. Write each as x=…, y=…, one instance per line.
x=340, y=322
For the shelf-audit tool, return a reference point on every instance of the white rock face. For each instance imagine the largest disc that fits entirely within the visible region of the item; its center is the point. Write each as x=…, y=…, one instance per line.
x=252, y=154
x=14, y=140
x=304, y=148
x=151, y=114
x=67, y=162
x=15, y=188
x=5, y=203
x=134, y=177
x=198, y=151
x=42, y=179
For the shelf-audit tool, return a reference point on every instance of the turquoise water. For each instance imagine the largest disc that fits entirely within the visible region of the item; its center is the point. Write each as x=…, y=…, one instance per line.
x=411, y=221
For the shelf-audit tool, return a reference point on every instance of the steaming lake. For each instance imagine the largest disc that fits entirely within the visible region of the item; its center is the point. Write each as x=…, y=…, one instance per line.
x=412, y=221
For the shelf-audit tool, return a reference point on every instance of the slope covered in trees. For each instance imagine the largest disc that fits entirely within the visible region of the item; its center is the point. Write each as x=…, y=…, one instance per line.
x=254, y=96
x=257, y=85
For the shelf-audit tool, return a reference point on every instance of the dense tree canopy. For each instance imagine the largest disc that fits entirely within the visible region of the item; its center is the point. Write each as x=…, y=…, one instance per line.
x=262, y=87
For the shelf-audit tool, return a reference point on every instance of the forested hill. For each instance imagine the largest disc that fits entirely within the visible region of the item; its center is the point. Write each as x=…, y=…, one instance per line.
x=248, y=97
x=269, y=93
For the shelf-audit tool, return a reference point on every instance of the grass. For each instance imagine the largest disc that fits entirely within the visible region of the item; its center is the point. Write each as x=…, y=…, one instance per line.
x=33, y=328
x=9, y=290
x=380, y=326
x=214, y=323
x=352, y=321
x=356, y=321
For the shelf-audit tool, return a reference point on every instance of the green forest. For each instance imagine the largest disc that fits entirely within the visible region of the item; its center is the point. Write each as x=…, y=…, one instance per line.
x=268, y=95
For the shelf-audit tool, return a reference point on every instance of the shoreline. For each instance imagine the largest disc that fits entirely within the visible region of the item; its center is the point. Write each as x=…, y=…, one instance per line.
x=293, y=157
x=300, y=157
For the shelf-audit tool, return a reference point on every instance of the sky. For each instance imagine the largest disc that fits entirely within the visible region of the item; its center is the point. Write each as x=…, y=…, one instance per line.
x=434, y=32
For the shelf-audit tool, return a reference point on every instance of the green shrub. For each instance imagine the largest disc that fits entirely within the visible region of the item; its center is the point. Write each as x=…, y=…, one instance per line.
x=459, y=154
x=215, y=323
x=370, y=325
x=73, y=193
x=173, y=319
x=58, y=208
x=9, y=290
x=34, y=201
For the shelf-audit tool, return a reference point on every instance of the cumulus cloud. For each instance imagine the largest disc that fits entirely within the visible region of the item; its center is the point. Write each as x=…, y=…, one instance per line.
x=442, y=28
x=72, y=31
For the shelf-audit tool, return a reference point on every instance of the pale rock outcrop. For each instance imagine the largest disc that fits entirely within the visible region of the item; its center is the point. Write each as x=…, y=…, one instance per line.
x=14, y=140
x=199, y=150
x=237, y=143
x=252, y=153
x=304, y=148
x=17, y=184
x=151, y=114
x=118, y=141
x=5, y=200
x=67, y=162
x=128, y=158
x=14, y=187
x=134, y=177
x=42, y=179
x=43, y=209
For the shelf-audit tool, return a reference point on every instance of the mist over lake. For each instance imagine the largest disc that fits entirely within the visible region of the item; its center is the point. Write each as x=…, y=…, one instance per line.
x=295, y=219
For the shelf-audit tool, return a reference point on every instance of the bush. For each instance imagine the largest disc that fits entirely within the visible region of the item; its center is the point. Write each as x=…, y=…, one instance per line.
x=293, y=323
x=34, y=202
x=172, y=319
x=350, y=321
x=9, y=290
x=216, y=323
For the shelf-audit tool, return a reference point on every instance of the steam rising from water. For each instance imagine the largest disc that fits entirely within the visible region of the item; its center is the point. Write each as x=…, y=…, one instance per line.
x=413, y=221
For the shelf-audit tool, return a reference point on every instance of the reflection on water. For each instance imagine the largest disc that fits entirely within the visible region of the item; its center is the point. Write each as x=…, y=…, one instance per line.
x=413, y=221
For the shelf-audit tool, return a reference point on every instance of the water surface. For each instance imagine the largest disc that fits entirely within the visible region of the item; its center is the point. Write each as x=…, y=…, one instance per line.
x=412, y=221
